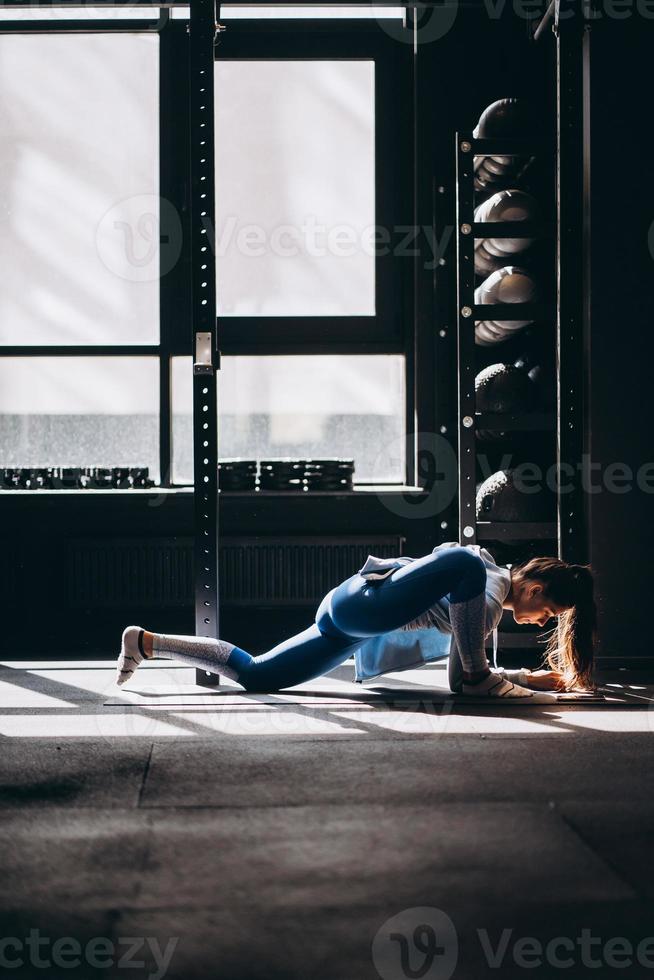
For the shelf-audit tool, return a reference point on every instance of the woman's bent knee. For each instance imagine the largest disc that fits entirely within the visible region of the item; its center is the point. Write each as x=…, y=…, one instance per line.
x=471, y=574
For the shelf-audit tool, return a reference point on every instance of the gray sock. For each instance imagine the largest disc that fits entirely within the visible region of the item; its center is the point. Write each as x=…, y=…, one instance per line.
x=468, y=621
x=202, y=652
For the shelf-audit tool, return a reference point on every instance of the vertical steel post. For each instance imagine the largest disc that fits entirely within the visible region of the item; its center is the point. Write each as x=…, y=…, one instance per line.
x=572, y=274
x=206, y=358
x=465, y=298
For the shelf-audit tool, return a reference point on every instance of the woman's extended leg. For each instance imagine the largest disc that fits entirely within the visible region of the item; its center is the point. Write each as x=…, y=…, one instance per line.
x=355, y=610
x=297, y=659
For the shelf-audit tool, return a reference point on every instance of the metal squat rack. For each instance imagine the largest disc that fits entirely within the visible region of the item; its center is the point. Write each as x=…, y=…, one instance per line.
x=203, y=31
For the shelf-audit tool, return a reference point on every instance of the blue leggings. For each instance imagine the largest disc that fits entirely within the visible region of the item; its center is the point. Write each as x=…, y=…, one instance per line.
x=356, y=610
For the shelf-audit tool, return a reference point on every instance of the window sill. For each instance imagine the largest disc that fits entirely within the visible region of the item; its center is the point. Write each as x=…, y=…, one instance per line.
x=188, y=491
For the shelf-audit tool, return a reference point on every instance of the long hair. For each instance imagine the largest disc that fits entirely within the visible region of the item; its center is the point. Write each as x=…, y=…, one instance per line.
x=570, y=648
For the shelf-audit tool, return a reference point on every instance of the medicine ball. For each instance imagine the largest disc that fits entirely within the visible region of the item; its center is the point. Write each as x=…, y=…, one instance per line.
x=508, y=205
x=507, y=285
x=506, y=499
x=505, y=117
x=504, y=388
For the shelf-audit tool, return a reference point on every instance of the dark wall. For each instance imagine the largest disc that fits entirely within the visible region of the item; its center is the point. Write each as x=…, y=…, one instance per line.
x=621, y=323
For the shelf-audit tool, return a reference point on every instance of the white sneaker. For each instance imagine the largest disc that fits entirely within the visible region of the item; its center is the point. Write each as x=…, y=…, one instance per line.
x=494, y=688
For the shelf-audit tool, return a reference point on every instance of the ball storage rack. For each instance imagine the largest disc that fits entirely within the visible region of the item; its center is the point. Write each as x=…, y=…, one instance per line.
x=569, y=315
x=472, y=530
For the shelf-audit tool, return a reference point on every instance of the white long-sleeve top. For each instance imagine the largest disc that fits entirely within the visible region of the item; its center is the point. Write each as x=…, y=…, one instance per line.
x=498, y=584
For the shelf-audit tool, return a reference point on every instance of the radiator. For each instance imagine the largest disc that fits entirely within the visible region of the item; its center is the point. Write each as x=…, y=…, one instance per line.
x=103, y=573
x=270, y=571
x=293, y=571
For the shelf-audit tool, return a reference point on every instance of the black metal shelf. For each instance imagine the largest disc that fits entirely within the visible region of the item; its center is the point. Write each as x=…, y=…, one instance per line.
x=503, y=146
x=518, y=531
x=509, y=422
x=509, y=311
x=510, y=229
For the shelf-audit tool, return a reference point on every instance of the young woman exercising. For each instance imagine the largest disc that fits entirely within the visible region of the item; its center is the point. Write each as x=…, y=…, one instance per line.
x=449, y=589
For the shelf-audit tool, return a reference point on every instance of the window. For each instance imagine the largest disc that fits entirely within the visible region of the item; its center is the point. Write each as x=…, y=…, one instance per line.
x=79, y=186
x=295, y=179
x=301, y=406
x=79, y=247
x=79, y=411
x=312, y=194
x=94, y=245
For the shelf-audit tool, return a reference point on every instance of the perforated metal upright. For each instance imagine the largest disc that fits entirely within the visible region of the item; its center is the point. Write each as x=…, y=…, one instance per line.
x=573, y=276
x=465, y=298
x=206, y=360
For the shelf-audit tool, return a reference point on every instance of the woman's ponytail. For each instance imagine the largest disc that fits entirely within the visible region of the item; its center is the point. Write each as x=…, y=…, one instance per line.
x=570, y=648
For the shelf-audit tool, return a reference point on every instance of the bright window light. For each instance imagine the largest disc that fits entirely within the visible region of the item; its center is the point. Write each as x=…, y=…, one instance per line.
x=79, y=189
x=302, y=406
x=49, y=13
x=295, y=188
x=254, y=12
x=79, y=411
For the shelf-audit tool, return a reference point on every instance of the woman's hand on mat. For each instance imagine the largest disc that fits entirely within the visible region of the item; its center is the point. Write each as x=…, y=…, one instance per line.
x=546, y=680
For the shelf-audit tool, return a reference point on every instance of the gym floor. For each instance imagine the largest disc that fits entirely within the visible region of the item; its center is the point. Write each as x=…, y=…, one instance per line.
x=204, y=832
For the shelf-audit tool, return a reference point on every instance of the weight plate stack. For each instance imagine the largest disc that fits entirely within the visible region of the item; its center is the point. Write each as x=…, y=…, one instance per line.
x=282, y=474
x=140, y=477
x=329, y=474
x=237, y=475
x=67, y=478
x=96, y=478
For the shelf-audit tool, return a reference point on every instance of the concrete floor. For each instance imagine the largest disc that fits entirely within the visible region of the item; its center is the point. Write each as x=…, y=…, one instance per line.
x=330, y=833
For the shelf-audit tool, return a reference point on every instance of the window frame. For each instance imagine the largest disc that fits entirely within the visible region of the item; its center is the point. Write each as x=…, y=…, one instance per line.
x=391, y=329
x=310, y=40
x=164, y=26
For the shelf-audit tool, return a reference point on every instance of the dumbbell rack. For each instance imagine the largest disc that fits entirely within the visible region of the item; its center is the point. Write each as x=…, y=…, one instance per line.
x=471, y=530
